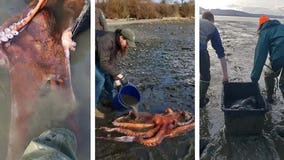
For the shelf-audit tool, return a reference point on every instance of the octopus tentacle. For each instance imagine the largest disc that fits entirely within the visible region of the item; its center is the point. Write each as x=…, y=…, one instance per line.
x=14, y=29
x=133, y=125
x=169, y=111
x=189, y=120
x=157, y=139
x=129, y=132
x=184, y=123
x=119, y=139
x=30, y=15
x=179, y=130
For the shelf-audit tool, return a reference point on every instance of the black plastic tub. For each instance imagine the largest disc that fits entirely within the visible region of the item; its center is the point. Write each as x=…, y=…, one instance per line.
x=243, y=122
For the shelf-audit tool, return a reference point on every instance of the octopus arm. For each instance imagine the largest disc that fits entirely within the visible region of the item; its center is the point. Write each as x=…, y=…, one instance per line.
x=119, y=139
x=123, y=131
x=137, y=126
x=129, y=132
x=157, y=139
x=181, y=129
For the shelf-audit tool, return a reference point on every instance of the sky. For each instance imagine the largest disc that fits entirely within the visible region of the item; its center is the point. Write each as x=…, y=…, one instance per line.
x=272, y=7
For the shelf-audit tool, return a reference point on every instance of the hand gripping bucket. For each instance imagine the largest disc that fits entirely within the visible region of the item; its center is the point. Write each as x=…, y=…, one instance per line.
x=127, y=96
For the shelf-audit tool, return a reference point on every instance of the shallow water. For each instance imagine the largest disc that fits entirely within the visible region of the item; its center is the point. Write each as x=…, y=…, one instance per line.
x=162, y=68
x=51, y=108
x=239, y=39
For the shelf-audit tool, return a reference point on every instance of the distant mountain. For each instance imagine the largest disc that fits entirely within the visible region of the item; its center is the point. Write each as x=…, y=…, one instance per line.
x=230, y=12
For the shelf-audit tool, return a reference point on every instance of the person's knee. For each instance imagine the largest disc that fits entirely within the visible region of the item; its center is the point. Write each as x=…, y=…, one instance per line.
x=269, y=74
x=100, y=82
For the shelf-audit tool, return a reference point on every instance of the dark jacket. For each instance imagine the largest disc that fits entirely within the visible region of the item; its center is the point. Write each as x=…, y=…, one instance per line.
x=107, y=52
x=207, y=32
x=271, y=40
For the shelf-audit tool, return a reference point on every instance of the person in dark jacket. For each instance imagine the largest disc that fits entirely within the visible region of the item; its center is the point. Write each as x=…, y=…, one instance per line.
x=208, y=31
x=110, y=46
x=270, y=41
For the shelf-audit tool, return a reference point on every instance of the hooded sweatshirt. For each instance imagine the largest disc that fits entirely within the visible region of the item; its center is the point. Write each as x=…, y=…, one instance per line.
x=271, y=40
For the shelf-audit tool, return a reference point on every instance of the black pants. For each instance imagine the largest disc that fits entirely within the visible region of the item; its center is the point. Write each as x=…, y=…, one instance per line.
x=204, y=63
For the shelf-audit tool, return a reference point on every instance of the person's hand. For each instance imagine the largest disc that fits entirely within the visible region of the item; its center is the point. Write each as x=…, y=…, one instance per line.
x=122, y=79
x=225, y=82
x=225, y=79
x=117, y=84
x=66, y=40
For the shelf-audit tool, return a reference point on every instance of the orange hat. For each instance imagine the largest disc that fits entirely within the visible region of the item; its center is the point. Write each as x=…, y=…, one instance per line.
x=262, y=19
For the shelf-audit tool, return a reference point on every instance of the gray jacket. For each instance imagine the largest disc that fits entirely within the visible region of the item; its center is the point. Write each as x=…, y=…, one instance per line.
x=107, y=52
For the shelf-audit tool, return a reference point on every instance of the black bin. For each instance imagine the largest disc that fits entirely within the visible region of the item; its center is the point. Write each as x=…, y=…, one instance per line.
x=243, y=122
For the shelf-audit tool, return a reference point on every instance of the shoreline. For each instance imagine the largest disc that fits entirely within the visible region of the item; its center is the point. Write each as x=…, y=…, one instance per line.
x=112, y=22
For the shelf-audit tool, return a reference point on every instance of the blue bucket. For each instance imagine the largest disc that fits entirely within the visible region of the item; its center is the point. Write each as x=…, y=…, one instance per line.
x=126, y=90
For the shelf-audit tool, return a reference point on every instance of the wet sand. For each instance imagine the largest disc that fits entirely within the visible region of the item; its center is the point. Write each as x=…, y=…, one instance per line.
x=239, y=39
x=162, y=68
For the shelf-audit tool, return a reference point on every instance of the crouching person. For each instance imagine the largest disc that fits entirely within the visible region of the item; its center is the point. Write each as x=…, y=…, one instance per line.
x=110, y=47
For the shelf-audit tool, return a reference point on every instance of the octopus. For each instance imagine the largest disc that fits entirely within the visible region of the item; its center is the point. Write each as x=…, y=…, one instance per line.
x=245, y=104
x=150, y=129
x=32, y=49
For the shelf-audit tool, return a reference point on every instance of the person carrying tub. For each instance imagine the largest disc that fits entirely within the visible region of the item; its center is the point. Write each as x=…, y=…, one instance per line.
x=270, y=40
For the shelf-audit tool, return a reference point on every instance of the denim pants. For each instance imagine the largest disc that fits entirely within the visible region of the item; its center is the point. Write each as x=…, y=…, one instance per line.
x=104, y=82
x=204, y=63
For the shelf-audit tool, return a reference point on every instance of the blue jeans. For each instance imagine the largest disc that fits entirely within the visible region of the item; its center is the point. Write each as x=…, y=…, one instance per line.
x=103, y=82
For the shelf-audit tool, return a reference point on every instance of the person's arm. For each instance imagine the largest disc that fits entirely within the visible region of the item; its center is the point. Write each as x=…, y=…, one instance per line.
x=224, y=69
x=104, y=51
x=217, y=45
x=261, y=52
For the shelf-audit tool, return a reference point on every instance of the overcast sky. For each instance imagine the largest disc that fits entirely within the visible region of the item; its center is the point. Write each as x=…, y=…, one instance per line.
x=275, y=7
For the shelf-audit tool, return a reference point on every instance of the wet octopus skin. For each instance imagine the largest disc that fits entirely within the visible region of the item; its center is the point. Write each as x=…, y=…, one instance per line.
x=35, y=59
x=159, y=126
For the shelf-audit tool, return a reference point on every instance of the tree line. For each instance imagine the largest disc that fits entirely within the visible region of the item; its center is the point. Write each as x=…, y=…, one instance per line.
x=145, y=9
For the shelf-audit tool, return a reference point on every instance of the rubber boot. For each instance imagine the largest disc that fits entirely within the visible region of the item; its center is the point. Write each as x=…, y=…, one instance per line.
x=203, y=90
x=269, y=84
x=99, y=114
x=282, y=90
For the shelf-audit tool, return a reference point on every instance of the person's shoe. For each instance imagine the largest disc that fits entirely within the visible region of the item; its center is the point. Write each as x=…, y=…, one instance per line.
x=99, y=114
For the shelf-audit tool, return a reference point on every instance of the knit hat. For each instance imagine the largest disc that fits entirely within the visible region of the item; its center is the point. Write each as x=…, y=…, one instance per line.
x=129, y=36
x=262, y=20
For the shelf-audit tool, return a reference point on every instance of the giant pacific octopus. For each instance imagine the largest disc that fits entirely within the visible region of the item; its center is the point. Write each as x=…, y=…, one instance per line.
x=150, y=129
x=32, y=50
